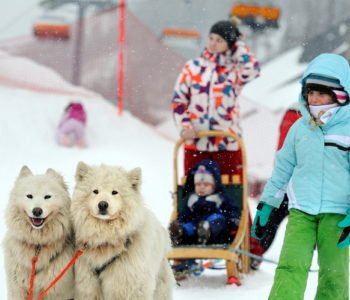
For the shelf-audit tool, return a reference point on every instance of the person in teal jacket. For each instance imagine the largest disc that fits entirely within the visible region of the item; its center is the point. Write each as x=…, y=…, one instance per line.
x=313, y=168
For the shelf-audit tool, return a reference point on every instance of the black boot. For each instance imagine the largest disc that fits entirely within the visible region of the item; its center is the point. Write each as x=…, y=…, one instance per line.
x=176, y=233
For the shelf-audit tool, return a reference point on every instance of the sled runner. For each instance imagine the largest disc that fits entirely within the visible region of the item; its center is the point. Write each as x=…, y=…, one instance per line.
x=236, y=189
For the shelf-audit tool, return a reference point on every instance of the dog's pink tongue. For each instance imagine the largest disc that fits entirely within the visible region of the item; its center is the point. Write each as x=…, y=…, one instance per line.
x=37, y=221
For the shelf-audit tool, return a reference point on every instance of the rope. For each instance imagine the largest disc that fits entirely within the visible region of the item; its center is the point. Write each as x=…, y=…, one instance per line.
x=32, y=277
x=257, y=257
x=53, y=282
x=198, y=270
x=260, y=258
x=66, y=268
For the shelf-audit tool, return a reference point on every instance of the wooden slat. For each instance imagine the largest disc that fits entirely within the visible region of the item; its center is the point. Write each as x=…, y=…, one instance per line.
x=236, y=179
x=225, y=179
x=204, y=253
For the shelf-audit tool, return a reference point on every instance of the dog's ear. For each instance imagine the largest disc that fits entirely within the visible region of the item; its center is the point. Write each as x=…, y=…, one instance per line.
x=57, y=176
x=25, y=171
x=135, y=178
x=82, y=171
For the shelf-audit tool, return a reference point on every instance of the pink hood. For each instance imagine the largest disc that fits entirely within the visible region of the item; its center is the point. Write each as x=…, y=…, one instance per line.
x=76, y=111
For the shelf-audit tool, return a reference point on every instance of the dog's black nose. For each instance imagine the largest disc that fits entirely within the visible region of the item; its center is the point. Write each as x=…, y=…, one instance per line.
x=37, y=211
x=102, y=206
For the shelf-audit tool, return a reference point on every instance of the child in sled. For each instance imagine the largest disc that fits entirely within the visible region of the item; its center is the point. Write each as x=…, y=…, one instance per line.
x=313, y=167
x=208, y=216
x=71, y=129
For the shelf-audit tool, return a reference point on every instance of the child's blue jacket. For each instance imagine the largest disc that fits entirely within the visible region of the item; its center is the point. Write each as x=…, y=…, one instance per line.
x=216, y=203
x=313, y=166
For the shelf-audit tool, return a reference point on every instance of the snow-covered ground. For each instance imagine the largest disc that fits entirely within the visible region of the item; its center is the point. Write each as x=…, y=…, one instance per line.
x=28, y=120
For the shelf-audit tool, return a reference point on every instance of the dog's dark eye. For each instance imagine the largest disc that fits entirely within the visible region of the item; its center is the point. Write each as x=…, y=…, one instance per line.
x=47, y=197
x=30, y=196
x=114, y=192
x=95, y=192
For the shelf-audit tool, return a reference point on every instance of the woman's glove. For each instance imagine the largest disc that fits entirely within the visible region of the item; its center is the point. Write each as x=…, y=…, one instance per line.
x=344, y=240
x=260, y=221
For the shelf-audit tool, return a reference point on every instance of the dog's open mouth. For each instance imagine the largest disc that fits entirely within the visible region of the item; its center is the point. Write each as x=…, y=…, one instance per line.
x=37, y=222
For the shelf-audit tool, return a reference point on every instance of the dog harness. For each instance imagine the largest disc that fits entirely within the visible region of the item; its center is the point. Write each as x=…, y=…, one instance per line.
x=98, y=270
x=55, y=280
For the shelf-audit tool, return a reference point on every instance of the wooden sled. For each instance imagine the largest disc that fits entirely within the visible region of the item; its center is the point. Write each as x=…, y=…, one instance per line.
x=236, y=263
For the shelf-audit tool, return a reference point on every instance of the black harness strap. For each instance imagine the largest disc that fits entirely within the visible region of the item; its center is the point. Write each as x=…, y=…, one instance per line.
x=97, y=271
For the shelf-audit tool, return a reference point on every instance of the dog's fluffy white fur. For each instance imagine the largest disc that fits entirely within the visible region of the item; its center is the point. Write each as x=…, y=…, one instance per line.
x=38, y=216
x=124, y=245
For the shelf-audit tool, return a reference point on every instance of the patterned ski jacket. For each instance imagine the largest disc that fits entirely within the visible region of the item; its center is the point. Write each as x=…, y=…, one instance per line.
x=313, y=166
x=206, y=92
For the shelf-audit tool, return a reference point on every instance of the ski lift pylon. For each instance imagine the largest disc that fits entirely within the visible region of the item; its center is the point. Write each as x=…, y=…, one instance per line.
x=52, y=27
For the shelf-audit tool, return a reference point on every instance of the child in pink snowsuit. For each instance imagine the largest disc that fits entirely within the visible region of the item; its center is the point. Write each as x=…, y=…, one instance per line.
x=71, y=129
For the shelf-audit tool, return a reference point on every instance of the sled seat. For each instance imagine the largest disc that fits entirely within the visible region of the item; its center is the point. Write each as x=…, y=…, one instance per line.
x=236, y=263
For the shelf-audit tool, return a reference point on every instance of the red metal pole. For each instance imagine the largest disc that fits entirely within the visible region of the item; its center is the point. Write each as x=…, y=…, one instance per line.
x=120, y=91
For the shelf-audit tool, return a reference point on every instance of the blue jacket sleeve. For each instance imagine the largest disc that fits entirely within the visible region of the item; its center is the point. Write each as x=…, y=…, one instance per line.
x=284, y=166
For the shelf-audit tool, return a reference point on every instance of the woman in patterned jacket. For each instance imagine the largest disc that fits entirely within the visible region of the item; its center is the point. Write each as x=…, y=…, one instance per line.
x=206, y=93
x=205, y=98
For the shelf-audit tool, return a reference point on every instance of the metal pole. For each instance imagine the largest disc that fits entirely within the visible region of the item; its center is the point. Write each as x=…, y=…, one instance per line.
x=78, y=44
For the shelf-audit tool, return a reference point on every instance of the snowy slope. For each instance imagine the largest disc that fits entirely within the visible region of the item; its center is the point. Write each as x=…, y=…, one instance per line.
x=27, y=125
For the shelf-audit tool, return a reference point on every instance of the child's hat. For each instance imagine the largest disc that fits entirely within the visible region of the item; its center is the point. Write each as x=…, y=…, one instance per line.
x=327, y=85
x=203, y=175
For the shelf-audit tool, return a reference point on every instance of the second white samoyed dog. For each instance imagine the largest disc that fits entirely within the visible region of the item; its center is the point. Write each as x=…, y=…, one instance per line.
x=124, y=245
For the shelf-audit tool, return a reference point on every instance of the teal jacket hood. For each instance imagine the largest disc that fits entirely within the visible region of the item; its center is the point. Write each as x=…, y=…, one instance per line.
x=330, y=65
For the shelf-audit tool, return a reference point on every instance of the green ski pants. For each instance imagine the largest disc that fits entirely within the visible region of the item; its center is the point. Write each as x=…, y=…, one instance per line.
x=303, y=232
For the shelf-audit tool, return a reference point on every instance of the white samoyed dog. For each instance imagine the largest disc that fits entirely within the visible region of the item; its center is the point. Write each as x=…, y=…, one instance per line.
x=124, y=245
